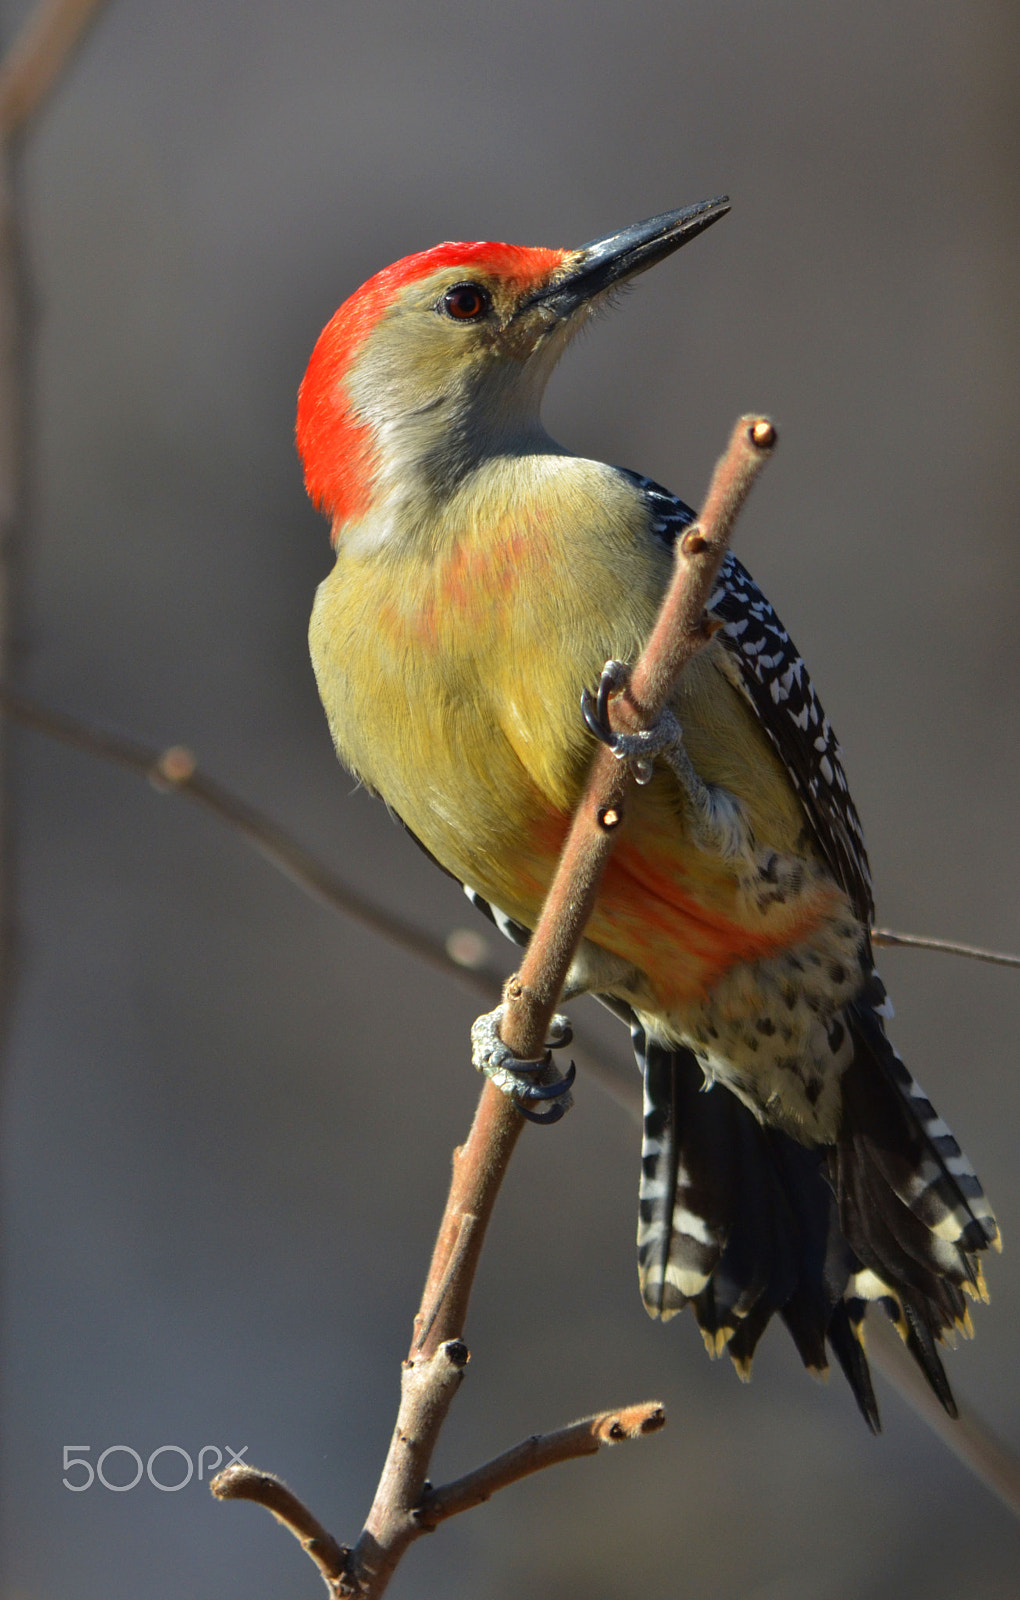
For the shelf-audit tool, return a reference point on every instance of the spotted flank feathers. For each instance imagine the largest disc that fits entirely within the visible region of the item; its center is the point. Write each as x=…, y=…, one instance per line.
x=739, y=1219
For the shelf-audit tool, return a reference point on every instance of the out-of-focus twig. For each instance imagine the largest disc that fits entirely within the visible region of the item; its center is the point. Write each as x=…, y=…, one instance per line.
x=28, y=71
x=946, y=947
x=51, y=32
x=173, y=770
x=968, y=1436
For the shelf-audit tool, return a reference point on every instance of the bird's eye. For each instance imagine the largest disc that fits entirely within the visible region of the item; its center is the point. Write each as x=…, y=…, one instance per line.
x=466, y=302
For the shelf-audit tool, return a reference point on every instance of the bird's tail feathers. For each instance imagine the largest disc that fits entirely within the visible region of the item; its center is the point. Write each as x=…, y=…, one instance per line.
x=739, y=1221
x=742, y=1222
x=910, y=1204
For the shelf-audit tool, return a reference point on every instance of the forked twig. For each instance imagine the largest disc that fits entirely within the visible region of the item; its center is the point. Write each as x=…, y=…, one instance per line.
x=404, y=1507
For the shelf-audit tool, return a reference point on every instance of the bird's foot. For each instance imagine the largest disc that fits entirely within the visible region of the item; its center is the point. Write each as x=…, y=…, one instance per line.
x=637, y=749
x=520, y=1080
x=718, y=817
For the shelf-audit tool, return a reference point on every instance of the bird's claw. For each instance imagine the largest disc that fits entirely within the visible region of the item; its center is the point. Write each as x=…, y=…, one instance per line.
x=638, y=749
x=518, y=1079
x=595, y=708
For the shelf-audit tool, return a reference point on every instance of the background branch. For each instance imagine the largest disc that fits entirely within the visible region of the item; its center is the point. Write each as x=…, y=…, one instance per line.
x=49, y=36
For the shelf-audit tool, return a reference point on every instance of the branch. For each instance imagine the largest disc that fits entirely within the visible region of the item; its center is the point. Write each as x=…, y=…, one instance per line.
x=968, y=1436
x=530, y=997
x=947, y=947
x=584, y=1438
x=682, y=629
x=173, y=770
x=241, y=1482
x=39, y=54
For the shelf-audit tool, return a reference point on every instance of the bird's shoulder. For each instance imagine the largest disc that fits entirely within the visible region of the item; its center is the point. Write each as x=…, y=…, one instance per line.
x=770, y=672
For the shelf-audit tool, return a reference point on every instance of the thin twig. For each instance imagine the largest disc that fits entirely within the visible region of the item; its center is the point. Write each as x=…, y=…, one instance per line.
x=968, y=1436
x=40, y=52
x=681, y=630
x=584, y=1438
x=241, y=1482
x=172, y=770
x=947, y=947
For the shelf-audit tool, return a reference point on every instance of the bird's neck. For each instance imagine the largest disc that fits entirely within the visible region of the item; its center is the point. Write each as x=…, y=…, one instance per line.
x=429, y=456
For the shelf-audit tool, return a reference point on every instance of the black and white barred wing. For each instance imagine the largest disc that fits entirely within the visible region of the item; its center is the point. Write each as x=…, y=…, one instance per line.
x=769, y=671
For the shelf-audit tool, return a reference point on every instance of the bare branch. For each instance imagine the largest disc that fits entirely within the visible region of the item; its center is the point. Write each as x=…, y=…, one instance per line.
x=174, y=771
x=241, y=1482
x=968, y=1436
x=948, y=947
x=584, y=1438
x=35, y=60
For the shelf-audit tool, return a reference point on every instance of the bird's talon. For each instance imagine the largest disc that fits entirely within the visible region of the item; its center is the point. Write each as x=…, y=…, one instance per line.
x=514, y=1077
x=615, y=676
x=554, y=1114
x=595, y=708
x=551, y=1091
x=594, y=721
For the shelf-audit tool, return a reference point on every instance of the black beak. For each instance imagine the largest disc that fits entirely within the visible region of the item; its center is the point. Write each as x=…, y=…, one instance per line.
x=604, y=262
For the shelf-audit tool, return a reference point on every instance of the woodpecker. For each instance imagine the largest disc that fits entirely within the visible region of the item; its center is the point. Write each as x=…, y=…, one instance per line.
x=484, y=576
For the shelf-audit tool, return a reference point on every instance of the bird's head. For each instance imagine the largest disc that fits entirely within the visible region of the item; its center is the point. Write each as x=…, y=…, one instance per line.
x=442, y=358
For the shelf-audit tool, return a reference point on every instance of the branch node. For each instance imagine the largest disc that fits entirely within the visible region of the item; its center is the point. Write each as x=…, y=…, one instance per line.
x=763, y=434
x=176, y=766
x=457, y=1353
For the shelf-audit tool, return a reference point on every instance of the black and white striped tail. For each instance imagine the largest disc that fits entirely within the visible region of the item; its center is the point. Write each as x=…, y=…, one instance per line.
x=910, y=1203
x=742, y=1222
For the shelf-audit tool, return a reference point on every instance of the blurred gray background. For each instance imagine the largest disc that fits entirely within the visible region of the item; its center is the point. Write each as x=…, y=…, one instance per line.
x=227, y=1133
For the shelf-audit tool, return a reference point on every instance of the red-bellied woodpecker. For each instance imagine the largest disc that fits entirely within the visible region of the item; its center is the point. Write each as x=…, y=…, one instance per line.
x=483, y=577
